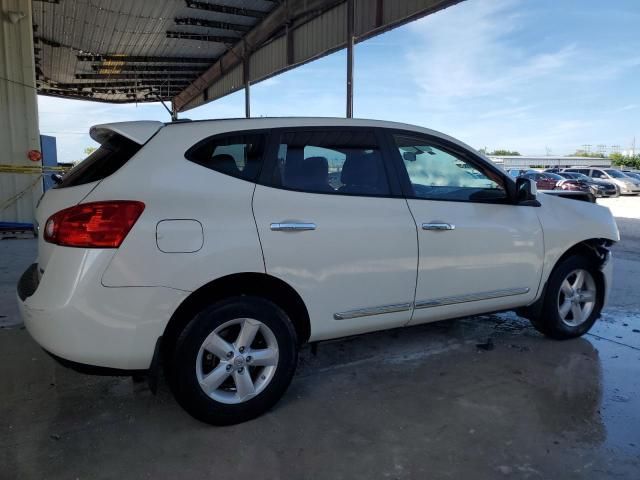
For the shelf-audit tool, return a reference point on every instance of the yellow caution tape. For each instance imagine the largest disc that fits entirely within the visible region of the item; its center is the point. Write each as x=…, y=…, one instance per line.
x=31, y=169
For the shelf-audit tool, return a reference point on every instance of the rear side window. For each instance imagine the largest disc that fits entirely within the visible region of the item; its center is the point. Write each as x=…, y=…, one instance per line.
x=105, y=161
x=344, y=161
x=237, y=155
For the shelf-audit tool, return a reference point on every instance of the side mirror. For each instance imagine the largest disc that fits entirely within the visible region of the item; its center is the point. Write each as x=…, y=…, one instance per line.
x=57, y=178
x=526, y=190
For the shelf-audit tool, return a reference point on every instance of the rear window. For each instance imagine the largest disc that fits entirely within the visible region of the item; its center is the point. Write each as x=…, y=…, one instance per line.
x=238, y=155
x=105, y=161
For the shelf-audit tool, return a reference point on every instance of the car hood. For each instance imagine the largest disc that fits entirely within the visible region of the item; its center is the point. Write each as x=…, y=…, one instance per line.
x=601, y=182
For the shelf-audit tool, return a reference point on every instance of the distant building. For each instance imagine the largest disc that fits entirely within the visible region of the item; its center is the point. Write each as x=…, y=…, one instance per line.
x=547, y=162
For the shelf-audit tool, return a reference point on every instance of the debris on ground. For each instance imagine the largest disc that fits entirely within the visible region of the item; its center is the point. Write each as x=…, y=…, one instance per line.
x=487, y=346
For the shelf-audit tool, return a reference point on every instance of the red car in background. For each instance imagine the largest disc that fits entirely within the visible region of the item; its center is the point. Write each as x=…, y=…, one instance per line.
x=553, y=181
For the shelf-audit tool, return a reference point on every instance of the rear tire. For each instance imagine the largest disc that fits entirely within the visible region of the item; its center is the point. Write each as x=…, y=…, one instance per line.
x=572, y=301
x=234, y=360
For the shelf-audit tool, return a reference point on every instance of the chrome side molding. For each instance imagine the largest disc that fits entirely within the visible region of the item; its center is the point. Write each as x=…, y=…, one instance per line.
x=366, y=312
x=436, y=302
x=472, y=297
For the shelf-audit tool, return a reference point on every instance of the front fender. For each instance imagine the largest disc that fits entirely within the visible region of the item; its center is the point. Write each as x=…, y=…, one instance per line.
x=566, y=223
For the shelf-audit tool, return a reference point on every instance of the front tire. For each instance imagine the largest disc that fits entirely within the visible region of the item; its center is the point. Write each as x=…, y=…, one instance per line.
x=234, y=360
x=573, y=300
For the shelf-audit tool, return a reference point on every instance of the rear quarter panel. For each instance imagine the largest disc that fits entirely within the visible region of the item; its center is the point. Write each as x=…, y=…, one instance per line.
x=174, y=188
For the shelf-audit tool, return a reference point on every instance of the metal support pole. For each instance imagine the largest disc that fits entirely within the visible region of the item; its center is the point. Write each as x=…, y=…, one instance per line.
x=173, y=112
x=247, y=89
x=350, y=40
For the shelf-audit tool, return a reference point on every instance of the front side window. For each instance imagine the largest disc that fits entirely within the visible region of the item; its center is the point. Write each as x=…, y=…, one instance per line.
x=341, y=161
x=437, y=174
x=598, y=174
x=235, y=155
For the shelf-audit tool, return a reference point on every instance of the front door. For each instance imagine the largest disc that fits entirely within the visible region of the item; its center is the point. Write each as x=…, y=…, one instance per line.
x=334, y=227
x=478, y=252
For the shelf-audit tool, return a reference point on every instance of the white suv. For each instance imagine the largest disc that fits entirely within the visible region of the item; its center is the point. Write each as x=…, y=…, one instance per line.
x=216, y=248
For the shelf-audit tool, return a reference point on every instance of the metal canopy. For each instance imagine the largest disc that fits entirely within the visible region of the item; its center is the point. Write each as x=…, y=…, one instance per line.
x=142, y=49
x=195, y=51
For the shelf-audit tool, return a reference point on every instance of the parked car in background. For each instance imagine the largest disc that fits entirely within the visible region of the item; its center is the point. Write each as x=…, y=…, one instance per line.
x=553, y=181
x=517, y=172
x=627, y=185
x=632, y=173
x=544, y=181
x=600, y=188
x=216, y=248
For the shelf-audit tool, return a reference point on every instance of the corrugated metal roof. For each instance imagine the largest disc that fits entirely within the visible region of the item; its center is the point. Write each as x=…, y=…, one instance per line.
x=193, y=51
x=72, y=36
x=299, y=31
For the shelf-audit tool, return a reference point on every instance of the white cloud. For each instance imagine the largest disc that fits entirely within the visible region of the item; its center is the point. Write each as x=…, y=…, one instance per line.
x=464, y=53
x=631, y=106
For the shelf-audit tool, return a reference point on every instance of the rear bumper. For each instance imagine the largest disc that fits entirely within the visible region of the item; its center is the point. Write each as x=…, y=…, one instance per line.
x=73, y=316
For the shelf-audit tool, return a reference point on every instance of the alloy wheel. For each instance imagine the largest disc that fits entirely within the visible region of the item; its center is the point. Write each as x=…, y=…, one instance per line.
x=237, y=360
x=577, y=297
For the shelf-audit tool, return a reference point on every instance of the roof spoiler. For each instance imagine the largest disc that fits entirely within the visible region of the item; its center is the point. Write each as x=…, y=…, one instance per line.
x=139, y=132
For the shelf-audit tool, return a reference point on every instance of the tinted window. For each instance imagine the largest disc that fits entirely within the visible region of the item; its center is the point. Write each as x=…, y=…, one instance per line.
x=238, y=155
x=442, y=175
x=616, y=173
x=106, y=160
x=331, y=161
x=598, y=174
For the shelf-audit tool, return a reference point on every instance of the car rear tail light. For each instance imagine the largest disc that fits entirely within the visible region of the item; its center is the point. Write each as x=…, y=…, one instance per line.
x=93, y=225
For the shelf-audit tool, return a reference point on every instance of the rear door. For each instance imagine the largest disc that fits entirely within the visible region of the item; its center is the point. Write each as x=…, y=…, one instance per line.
x=333, y=225
x=478, y=251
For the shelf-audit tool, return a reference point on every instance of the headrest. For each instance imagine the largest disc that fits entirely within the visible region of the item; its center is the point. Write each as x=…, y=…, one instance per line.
x=225, y=163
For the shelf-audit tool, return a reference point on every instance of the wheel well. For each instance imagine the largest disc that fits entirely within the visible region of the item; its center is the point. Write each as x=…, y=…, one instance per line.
x=258, y=284
x=595, y=249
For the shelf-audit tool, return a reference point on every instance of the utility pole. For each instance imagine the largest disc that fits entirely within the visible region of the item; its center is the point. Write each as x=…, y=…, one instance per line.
x=246, y=74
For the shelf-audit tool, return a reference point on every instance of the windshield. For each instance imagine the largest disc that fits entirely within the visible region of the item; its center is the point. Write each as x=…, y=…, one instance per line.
x=581, y=176
x=553, y=176
x=615, y=173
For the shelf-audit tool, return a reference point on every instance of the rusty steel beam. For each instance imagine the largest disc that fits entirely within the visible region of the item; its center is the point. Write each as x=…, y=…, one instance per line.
x=272, y=24
x=213, y=7
x=203, y=22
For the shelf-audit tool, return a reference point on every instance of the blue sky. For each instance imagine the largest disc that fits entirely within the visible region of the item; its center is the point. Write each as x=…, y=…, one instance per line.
x=537, y=77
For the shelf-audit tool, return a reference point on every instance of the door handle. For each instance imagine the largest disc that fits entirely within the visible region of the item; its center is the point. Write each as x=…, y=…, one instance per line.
x=438, y=226
x=292, y=227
